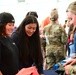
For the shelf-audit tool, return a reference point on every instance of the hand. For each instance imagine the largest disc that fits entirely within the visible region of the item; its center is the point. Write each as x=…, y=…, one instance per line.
x=42, y=36
x=71, y=62
x=1, y=73
x=67, y=67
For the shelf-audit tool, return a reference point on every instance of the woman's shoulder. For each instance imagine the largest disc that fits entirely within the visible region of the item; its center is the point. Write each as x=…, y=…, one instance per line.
x=47, y=27
x=14, y=34
x=61, y=28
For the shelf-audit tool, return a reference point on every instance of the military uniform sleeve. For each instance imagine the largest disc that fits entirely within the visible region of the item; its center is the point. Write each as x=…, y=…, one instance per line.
x=43, y=41
x=63, y=36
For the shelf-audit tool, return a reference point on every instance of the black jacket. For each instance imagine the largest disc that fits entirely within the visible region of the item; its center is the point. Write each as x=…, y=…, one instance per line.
x=8, y=56
x=30, y=61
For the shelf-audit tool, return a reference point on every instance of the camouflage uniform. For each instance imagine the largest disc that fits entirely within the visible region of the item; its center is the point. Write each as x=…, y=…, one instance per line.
x=72, y=70
x=55, y=40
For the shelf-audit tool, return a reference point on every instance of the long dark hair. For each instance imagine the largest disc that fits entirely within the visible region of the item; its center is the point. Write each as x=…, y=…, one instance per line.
x=29, y=46
x=3, y=29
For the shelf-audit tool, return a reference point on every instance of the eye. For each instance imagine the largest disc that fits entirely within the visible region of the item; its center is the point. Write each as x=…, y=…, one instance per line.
x=34, y=28
x=10, y=24
x=29, y=27
x=69, y=19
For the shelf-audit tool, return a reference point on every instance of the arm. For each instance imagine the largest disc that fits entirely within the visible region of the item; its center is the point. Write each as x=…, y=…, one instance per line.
x=71, y=62
x=68, y=65
x=40, y=69
x=43, y=40
x=63, y=36
x=72, y=37
x=1, y=73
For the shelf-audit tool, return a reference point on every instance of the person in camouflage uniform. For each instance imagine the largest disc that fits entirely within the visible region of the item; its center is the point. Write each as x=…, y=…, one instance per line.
x=56, y=38
x=70, y=66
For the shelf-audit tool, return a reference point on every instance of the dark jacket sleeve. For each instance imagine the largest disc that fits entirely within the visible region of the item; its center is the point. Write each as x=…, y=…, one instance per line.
x=40, y=69
x=14, y=36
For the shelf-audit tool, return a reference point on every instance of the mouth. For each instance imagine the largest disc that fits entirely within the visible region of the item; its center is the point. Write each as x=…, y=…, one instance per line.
x=10, y=31
x=30, y=34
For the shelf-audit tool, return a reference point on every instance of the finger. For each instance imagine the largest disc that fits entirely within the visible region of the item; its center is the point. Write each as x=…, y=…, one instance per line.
x=68, y=62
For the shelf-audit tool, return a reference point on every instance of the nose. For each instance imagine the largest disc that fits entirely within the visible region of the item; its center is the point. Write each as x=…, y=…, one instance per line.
x=31, y=30
x=12, y=27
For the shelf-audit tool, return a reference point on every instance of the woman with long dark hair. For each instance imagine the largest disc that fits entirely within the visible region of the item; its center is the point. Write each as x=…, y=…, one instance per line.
x=27, y=40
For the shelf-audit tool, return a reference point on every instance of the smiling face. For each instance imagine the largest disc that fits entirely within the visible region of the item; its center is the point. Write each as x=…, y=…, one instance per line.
x=9, y=28
x=30, y=29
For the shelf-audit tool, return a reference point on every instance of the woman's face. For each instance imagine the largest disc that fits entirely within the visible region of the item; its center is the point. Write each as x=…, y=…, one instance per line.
x=30, y=29
x=72, y=18
x=9, y=28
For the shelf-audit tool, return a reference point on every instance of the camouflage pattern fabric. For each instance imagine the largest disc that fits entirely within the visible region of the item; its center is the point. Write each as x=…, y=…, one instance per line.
x=72, y=70
x=56, y=38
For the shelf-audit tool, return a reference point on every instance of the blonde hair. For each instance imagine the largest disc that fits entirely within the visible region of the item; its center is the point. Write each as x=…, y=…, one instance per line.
x=54, y=16
x=72, y=7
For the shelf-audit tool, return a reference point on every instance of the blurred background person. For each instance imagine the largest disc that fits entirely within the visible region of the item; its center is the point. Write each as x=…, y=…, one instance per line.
x=27, y=40
x=70, y=66
x=66, y=26
x=47, y=20
x=33, y=13
x=56, y=38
